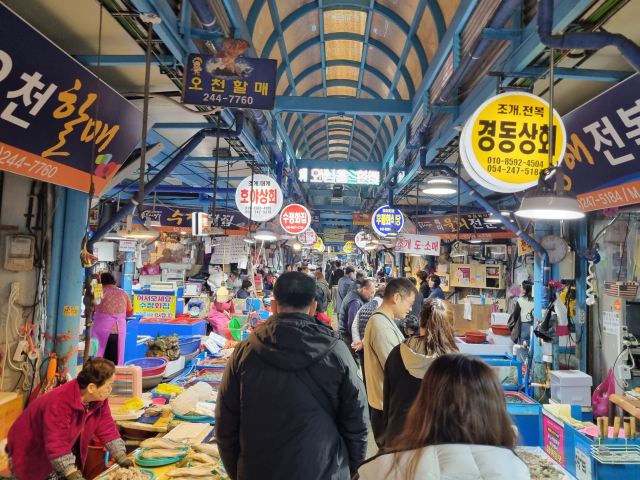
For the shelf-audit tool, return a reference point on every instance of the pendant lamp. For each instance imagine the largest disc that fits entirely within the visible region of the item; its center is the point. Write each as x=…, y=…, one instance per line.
x=546, y=203
x=439, y=186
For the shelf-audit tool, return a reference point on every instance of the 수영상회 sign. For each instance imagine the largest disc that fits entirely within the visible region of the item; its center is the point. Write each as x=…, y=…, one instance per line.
x=225, y=79
x=48, y=104
x=505, y=143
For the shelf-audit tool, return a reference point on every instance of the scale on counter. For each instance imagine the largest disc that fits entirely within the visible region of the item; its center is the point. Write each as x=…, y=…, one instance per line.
x=174, y=272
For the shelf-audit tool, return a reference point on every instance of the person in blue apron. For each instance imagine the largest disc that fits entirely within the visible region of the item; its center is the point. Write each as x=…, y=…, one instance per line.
x=110, y=320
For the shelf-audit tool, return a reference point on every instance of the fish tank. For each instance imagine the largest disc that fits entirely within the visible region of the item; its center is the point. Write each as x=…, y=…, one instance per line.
x=508, y=370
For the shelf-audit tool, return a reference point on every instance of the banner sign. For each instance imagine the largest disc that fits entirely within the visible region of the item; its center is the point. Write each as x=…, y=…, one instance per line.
x=334, y=235
x=229, y=250
x=348, y=247
x=524, y=247
x=386, y=219
x=361, y=240
x=225, y=79
x=603, y=148
x=48, y=125
x=308, y=237
x=553, y=438
x=262, y=200
x=168, y=219
x=233, y=223
x=340, y=175
x=159, y=306
x=295, y=218
x=472, y=225
x=418, y=244
x=315, y=215
x=199, y=223
x=360, y=218
x=505, y=143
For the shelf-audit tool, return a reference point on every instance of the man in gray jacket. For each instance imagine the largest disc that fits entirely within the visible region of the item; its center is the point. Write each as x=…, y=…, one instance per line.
x=344, y=284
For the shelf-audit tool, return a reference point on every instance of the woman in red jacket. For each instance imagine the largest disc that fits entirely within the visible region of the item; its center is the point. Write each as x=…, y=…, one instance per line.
x=50, y=440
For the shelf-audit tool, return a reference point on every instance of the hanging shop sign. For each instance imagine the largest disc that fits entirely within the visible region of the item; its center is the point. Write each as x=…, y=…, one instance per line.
x=418, y=244
x=334, y=235
x=318, y=244
x=233, y=223
x=472, y=225
x=385, y=219
x=127, y=246
x=152, y=305
x=340, y=175
x=315, y=215
x=263, y=201
x=360, y=218
x=48, y=125
x=348, y=247
x=524, y=247
x=603, y=148
x=361, y=240
x=199, y=223
x=505, y=143
x=308, y=237
x=295, y=218
x=225, y=79
x=168, y=219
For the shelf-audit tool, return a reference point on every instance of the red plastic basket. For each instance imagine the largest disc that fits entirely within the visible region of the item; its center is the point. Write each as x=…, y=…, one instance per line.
x=156, y=320
x=185, y=321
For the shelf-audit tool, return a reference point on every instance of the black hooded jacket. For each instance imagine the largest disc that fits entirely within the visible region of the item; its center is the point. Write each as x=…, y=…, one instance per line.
x=269, y=426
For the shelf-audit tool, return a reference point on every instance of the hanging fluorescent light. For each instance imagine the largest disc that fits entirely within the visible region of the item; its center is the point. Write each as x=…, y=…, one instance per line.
x=265, y=233
x=546, y=203
x=492, y=219
x=374, y=240
x=297, y=246
x=393, y=233
x=439, y=186
x=475, y=240
x=249, y=239
x=139, y=233
x=370, y=246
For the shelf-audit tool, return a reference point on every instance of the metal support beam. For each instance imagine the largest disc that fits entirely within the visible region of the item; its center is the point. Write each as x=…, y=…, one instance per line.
x=343, y=106
x=501, y=34
x=327, y=193
x=571, y=73
x=310, y=163
x=125, y=60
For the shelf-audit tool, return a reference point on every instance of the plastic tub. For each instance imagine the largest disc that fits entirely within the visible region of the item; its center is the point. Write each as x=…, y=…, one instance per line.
x=189, y=345
x=232, y=333
x=151, y=366
x=159, y=401
x=149, y=383
x=185, y=321
x=475, y=337
x=500, y=329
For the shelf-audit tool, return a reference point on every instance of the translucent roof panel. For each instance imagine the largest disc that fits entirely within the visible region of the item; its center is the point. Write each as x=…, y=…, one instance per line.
x=428, y=35
x=337, y=148
x=311, y=57
x=405, y=8
x=413, y=65
x=341, y=92
x=315, y=128
x=340, y=21
x=339, y=118
x=309, y=82
x=361, y=137
x=366, y=129
x=245, y=6
x=375, y=84
x=322, y=153
x=316, y=135
x=302, y=30
x=345, y=73
x=387, y=122
x=387, y=32
x=263, y=30
x=382, y=63
x=364, y=95
x=343, y=50
x=448, y=8
x=338, y=141
x=282, y=85
x=286, y=8
x=310, y=117
x=402, y=89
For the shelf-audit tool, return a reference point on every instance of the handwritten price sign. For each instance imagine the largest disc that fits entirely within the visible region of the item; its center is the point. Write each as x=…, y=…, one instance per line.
x=418, y=244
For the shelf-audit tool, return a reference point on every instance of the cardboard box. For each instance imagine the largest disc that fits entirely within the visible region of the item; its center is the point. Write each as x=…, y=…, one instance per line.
x=10, y=409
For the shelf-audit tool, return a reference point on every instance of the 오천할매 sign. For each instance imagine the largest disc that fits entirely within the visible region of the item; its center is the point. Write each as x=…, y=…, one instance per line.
x=225, y=79
x=505, y=143
x=472, y=225
x=48, y=104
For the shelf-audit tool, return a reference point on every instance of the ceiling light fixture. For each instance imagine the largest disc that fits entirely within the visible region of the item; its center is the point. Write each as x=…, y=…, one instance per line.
x=249, y=239
x=265, y=233
x=138, y=232
x=370, y=246
x=439, y=186
x=393, y=233
x=492, y=219
x=297, y=246
x=475, y=240
x=546, y=203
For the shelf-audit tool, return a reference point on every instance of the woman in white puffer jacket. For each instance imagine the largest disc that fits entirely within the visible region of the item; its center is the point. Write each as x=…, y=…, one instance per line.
x=457, y=429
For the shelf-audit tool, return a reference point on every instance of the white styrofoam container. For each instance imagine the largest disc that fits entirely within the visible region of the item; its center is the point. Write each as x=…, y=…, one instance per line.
x=499, y=318
x=499, y=339
x=174, y=367
x=571, y=387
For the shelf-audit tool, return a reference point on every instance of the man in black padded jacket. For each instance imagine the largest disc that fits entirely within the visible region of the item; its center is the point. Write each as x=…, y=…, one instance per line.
x=292, y=405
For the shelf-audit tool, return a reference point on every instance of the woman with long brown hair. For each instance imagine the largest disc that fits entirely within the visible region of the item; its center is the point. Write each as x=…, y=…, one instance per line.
x=408, y=362
x=458, y=428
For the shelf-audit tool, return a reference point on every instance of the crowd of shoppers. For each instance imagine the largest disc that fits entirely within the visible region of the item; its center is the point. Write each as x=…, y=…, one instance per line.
x=298, y=398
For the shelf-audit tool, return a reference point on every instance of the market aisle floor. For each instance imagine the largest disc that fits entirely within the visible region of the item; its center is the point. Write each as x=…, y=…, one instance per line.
x=372, y=448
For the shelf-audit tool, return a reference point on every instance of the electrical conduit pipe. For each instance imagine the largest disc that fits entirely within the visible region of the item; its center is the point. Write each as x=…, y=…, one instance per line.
x=155, y=182
x=503, y=14
x=586, y=40
x=205, y=15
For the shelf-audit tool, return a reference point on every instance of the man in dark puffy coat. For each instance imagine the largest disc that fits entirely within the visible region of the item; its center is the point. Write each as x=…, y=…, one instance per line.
x=291, y=405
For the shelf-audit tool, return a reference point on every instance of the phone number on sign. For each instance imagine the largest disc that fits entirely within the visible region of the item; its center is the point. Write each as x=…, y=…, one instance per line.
x=232, y=98
x=36, y=167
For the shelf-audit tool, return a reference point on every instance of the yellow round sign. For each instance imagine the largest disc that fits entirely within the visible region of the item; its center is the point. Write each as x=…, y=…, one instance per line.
x=505, y=143
x=348, y=247
x=319, y=244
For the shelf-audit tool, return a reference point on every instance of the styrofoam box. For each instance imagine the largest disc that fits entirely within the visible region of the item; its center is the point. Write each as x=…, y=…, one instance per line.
x=499, y=318
x=174, y=367
x=571, y=387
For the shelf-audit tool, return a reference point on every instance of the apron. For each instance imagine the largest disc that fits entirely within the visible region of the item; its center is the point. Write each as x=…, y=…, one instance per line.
x=102, y=326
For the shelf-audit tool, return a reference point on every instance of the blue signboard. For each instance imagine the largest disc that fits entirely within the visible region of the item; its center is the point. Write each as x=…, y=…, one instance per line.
x=231, y=220
x=602, y=161
x=48, y=106
x=168, y=219
x=385, y=219
x=227, y=80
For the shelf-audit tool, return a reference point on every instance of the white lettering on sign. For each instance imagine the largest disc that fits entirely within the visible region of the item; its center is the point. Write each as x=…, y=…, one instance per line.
x=418, y=244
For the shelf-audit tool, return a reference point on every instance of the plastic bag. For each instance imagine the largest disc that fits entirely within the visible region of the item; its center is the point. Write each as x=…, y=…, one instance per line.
x=600, y=398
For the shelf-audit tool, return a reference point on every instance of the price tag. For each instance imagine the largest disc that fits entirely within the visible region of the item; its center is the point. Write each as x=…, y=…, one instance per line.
x=583, y=461
x=98, y=293
x=68, y=311
x=127, y=246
